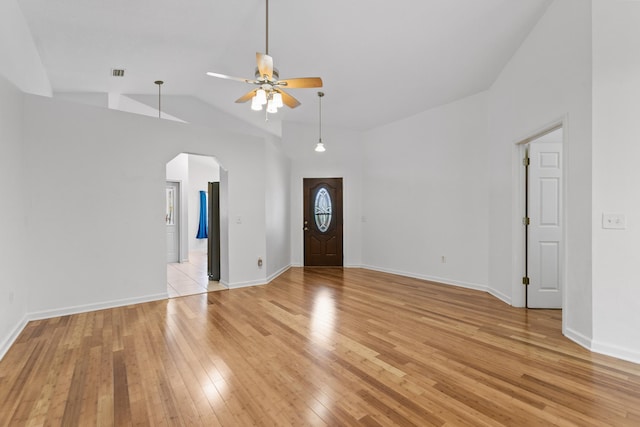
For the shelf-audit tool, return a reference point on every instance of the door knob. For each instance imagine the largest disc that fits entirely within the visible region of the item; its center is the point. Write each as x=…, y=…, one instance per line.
x=306, y=228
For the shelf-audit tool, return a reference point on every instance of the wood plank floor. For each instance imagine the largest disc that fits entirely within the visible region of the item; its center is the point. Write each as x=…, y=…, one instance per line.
x=315, y=347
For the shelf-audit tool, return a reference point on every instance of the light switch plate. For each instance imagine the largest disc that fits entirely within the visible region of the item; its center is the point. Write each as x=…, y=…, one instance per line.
x=615, y=221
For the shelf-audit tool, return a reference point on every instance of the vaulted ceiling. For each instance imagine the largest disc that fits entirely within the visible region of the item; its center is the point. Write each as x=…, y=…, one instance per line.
x=380, y=60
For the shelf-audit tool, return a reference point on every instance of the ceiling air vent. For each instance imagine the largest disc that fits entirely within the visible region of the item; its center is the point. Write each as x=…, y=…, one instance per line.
x=117, y=72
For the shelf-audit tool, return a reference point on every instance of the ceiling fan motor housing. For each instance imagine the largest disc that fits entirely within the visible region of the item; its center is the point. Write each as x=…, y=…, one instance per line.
x=276, y=74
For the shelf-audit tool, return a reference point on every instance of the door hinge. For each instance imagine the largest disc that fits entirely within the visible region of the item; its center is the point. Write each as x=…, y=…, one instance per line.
x=526, y=161
x=526, y=220
x=525, y=280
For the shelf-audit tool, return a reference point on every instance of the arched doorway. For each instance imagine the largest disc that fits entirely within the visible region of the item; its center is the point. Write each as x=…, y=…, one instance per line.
x=190, y=274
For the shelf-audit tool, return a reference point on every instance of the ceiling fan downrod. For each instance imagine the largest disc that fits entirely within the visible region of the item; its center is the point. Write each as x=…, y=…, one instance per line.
x=266, y=51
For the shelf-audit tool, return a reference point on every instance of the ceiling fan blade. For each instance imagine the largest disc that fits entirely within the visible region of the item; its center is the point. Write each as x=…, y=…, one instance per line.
x=287, y=99
x=224, y=76
x=301, y=82
x=265, y=64
x=247, y=96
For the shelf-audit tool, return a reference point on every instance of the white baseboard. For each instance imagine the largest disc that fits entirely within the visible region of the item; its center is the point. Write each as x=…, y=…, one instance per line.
x=277, y=273
x=345, y=266
x=615, y=351
x=502, y=297
x=580, y=339
x=600, y=347
x=442, y=280
x=249, y=283
x=46, y=314
x=246, y=284
x=238, y=285
x=15, y=332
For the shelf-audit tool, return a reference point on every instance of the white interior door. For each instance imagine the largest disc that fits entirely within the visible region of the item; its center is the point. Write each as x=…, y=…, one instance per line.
x=545, y=227
x=172, y=221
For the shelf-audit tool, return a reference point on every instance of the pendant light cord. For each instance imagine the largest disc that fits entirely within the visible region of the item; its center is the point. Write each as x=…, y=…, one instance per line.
x=320, y=95
x=159, y=83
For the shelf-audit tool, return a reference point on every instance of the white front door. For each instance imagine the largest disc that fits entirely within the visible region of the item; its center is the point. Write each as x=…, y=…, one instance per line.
x=545, y=229
x=172, y=221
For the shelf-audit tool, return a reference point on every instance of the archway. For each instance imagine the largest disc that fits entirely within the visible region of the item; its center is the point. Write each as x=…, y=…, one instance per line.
x=190, y=274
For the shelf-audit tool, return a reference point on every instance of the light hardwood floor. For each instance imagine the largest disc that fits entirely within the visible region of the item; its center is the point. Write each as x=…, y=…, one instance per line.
x=315, y=347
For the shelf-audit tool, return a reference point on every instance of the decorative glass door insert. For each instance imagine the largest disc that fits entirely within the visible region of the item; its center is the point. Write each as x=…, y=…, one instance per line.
x=323, y=210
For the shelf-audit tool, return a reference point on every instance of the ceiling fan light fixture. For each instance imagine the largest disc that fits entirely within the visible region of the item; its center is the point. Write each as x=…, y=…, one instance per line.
x=255, y=104
x=277, y=99
x=261, y=96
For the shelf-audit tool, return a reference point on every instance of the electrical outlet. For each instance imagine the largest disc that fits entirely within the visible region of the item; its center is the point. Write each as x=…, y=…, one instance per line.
x=443, y=259
x=260, y=262
x=11, y=297
x=615, y=221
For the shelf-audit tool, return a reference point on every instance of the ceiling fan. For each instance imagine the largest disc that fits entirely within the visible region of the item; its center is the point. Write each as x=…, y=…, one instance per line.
x=269, y=90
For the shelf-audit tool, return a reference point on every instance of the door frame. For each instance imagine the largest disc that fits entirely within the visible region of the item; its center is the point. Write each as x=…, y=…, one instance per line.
x=339, y=215
x=519, y=193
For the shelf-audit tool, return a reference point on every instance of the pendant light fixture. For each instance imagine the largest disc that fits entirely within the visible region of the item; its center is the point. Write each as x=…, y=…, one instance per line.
x=320, y=146
x=159, y=83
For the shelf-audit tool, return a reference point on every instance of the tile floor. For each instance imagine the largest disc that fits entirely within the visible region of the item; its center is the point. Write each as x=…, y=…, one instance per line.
x=190, y=278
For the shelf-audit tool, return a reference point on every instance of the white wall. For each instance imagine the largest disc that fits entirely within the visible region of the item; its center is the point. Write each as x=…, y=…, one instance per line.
x=343, y=159
x=616, y=177
x=202, y=170
x=547, y=80
x=425, y=195
x=96, y=192
x=277, y=209
x=177, y=170
x=20, y=70
x=97, y=99
x=13, y=225
x=198, y=112
x=21, y=63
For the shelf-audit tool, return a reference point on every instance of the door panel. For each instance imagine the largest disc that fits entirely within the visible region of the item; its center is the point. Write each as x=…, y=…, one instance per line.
x=332, y=246
x=545, y=230
x=549, y=202
x=322, y=221
x=172, y=221
x=549, y=274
